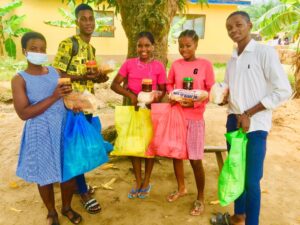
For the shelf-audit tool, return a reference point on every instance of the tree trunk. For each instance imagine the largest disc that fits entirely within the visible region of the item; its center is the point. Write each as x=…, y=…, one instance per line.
x=148, y=15
x=1, y=38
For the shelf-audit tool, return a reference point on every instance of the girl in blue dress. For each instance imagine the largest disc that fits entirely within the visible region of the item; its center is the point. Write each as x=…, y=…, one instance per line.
x=37, y=98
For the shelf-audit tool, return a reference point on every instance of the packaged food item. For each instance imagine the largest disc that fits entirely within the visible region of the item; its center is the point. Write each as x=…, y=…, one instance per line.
x=181, y=95
x=188, y=83
x=91, y=67
x=107, y=67
x=64, y=80
x=83, y=101
x=218, y=93
x=147, y=85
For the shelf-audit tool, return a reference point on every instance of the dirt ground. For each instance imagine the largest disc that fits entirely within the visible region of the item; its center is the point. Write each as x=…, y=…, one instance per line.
x=21, y=203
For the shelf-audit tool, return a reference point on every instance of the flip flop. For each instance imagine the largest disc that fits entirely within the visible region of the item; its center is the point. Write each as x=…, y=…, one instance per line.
x=75, y=218
x=198, y=208
x=133, y=193
x=144, y=193
x=175, y=195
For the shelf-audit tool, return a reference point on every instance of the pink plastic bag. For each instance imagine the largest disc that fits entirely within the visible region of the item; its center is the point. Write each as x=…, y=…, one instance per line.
x=170, y=131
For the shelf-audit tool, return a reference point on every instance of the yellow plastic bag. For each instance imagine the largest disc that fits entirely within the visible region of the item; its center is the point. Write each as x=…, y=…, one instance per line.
x=134, y=129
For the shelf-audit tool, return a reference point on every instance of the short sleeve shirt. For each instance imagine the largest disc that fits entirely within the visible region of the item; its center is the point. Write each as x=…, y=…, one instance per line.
x=201, y=70
x=77, y=66
x=135, y=71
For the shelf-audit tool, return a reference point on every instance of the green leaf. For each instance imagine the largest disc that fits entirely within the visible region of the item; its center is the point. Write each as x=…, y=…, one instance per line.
x=10, y=48
x=279, y=23
x=7, y=8
x=68, y=15
x=290, y=1
x=22, y=31
x=14, y=22
x=59, y=23
x=283, y=17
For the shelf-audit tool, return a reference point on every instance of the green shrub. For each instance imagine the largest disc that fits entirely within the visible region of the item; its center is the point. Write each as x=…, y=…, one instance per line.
x=9, y=67
x=219, y=65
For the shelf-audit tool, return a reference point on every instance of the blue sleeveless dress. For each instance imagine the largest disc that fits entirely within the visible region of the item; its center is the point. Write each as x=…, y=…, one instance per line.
x=40, y=159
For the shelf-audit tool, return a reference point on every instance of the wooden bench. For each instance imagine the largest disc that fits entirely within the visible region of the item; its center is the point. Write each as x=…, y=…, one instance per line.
x=220, y=151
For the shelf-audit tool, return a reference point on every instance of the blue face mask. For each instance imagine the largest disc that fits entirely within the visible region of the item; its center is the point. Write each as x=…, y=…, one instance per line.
x=37, y=58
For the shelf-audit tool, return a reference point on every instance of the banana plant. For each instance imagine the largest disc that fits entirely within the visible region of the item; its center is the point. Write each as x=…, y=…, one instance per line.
x=10, y=28
x=69, y=20
x=284, y=17
x=175, y=30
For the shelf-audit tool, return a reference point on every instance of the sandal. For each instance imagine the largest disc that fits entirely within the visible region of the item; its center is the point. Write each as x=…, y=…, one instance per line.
x=54, y=218
x=133, y=193
x=220, y=219
x=92, y=206
x=175, y=195
x=198, y=208
x=144, y=193
x=73, y=216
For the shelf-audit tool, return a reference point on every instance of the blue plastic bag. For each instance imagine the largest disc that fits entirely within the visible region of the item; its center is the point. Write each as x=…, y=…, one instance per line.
x=97, y=124
x=84, y=149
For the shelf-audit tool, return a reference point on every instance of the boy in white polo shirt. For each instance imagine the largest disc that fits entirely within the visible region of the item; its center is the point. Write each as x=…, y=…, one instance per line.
x=257, y=84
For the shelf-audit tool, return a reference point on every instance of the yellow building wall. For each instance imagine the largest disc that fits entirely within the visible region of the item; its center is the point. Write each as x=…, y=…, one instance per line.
x=215, y=42
x=38, y=11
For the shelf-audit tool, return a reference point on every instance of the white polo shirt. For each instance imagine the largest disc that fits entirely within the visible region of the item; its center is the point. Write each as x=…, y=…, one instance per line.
x=256, y=76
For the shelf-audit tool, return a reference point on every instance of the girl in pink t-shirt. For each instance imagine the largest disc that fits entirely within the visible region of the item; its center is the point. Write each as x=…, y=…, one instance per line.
x=202, y=73
x=133, y=71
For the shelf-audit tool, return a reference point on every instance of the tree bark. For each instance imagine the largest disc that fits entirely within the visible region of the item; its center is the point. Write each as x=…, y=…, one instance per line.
x=154, y=16
x=1, y=38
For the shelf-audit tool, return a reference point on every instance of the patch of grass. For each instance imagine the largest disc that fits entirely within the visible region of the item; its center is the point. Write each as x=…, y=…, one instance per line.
x=290, y=70
x=219, y=72
x=9, y=67
x=291, y=78
x=219, y=65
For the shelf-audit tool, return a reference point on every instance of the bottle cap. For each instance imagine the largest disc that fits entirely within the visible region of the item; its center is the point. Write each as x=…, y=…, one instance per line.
x=188, y=79
x=91, y=63
x=147, y=81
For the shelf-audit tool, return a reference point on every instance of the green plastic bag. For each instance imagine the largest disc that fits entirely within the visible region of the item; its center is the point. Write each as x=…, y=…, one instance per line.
x=134, y=129
x=232, y=178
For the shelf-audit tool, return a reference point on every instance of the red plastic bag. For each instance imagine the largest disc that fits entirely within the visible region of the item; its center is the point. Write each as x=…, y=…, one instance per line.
x=170, y=131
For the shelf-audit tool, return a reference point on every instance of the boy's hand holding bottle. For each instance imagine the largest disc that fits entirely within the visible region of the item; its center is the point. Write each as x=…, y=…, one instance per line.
x=94, y=74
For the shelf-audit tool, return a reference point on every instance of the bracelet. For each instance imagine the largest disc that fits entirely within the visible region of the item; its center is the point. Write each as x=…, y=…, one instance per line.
x=247, y=114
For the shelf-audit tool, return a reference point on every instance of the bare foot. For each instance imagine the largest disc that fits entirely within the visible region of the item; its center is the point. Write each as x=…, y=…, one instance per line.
x=237, y=219
x=52, y=219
